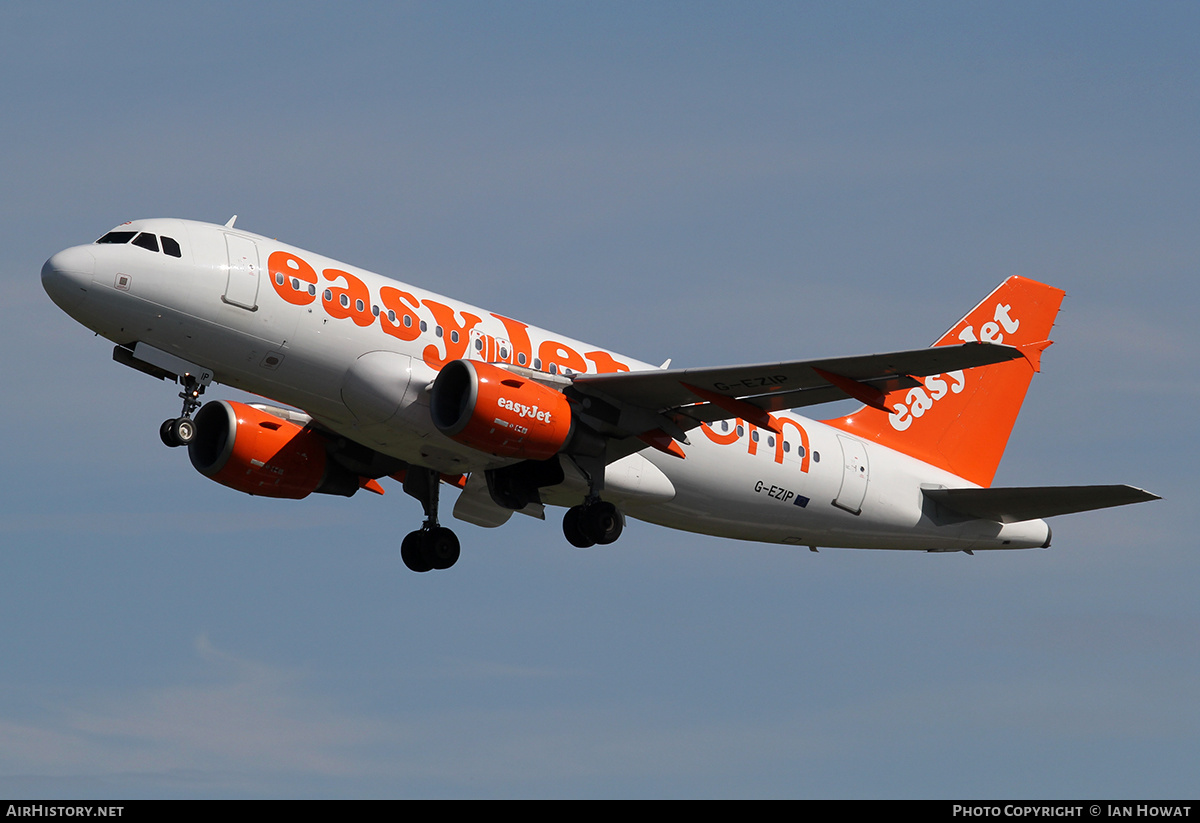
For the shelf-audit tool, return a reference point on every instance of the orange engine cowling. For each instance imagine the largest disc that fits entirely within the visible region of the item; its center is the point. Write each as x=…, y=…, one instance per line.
x=252, y=451
x=498, y=412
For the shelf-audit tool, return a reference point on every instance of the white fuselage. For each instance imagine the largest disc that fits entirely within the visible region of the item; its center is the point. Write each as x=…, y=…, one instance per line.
x=332, y=340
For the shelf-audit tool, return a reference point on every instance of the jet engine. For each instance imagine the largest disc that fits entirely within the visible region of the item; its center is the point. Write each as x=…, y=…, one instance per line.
x=256, y=452
x=498, y=412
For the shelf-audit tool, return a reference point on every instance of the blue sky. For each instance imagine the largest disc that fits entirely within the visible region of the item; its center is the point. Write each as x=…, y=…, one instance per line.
x=713, y=183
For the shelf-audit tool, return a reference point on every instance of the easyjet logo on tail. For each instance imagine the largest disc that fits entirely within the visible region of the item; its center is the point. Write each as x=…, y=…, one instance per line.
x=918, y=401
x=991, y=332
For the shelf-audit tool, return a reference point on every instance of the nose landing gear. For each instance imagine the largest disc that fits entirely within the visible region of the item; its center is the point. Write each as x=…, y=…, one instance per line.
x=179, y=431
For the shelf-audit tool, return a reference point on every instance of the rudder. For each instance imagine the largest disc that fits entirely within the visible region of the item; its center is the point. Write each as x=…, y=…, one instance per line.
x=961, y=421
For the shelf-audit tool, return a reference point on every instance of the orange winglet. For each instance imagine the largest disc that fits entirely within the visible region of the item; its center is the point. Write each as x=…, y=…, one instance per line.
x=1033, y=352
x=662, y=441
x=738, y=408
x=370, y=485
x=861, y=392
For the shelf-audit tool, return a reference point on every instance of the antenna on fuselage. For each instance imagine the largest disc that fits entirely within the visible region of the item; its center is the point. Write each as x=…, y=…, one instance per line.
x=229, y=225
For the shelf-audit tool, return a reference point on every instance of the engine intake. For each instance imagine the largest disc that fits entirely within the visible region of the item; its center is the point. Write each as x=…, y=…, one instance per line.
x=255, y=452
x=498, y=412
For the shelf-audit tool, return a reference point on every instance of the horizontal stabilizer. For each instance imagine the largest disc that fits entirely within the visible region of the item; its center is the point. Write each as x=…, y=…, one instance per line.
x=1035, y=502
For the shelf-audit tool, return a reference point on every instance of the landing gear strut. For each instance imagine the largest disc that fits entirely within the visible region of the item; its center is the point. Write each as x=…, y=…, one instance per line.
x=595, y=522
x=432, y=546
x=179, y=431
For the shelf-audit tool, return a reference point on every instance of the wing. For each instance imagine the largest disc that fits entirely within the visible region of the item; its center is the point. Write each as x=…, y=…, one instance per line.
x=665, y=403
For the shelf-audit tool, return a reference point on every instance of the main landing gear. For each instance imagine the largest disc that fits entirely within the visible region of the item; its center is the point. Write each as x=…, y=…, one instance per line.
x=429, y=548
x=595, y=522
x=179, y=431
x=432, y=546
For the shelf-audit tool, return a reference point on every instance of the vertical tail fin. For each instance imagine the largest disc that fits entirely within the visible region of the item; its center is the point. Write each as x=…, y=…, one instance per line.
x=961, y=421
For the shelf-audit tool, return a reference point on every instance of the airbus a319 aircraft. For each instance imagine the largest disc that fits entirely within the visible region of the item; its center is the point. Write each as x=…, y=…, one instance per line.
x=383, y=379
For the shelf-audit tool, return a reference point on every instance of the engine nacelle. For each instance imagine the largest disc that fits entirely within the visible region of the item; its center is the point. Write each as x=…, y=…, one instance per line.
x=498, y=412
x=252, y=451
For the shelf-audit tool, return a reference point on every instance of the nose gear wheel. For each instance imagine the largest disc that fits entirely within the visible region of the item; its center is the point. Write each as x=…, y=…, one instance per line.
x=179, y=431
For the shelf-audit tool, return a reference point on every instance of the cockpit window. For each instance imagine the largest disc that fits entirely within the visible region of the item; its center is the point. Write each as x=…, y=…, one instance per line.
x=117, y=237
x=147, y=241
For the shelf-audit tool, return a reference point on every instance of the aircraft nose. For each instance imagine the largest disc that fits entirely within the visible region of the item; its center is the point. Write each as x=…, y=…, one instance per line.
x=67, y=276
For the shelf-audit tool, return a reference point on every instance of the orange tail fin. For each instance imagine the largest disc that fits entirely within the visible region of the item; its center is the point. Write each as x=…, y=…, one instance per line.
x=961, y=421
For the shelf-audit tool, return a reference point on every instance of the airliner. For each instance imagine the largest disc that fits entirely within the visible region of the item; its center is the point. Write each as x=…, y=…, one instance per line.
x=366, y=378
